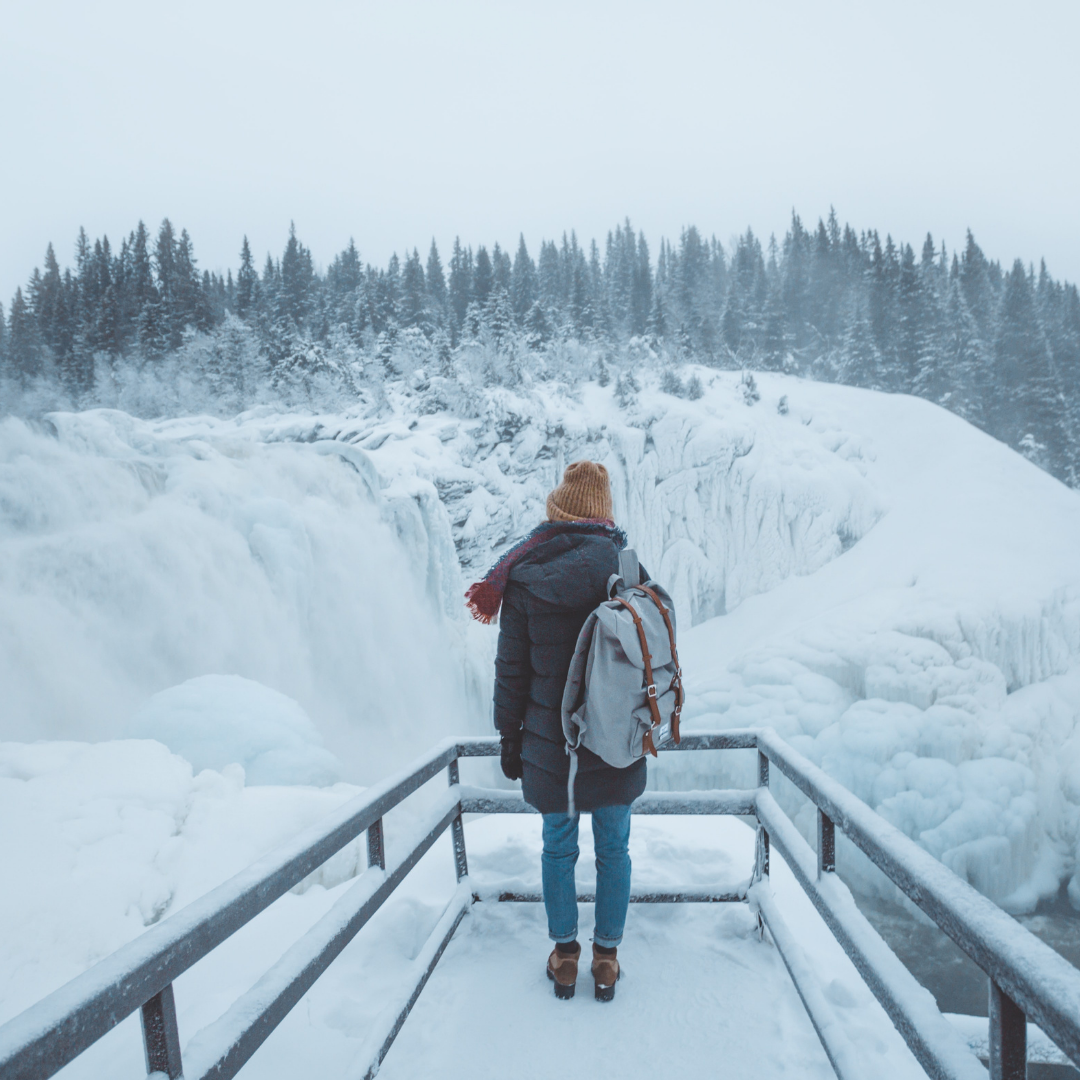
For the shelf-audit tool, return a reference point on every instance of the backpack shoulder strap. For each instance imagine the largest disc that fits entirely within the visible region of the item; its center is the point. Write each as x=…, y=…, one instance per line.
x=650, y=689
x=676, y=683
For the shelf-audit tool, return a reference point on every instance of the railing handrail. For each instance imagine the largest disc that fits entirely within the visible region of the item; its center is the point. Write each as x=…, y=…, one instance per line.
x=84, y=1009
x=63, y=1024
x=1036, y=977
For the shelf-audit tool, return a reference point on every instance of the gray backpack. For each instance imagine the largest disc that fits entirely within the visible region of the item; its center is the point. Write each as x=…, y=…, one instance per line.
x=624, y=689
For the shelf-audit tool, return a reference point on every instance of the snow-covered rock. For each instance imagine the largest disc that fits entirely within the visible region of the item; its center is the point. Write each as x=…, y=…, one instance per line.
x=113, y=836
x=218, y=720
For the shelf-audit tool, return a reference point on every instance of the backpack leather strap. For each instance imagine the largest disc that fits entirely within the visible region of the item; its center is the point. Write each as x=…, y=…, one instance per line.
x=647, y=746
x=676, y=683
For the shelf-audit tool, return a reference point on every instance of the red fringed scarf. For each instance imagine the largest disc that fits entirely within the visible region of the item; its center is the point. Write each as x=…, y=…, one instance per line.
x=484, y=598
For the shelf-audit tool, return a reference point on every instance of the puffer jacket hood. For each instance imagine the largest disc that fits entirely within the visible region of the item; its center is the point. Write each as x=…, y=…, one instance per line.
x=567, y=566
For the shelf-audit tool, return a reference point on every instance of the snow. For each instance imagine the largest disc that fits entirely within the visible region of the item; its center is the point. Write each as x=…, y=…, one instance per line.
x=698, y=977
x=277, y=600
x=218, y=720
x=932, y=668
x=976, y=1029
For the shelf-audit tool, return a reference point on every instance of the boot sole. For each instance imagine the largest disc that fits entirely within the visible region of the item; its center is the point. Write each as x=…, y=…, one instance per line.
x=563, y=993
x=605, y=993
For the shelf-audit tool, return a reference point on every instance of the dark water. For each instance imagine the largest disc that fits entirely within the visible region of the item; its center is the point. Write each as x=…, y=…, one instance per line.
x=957, y=983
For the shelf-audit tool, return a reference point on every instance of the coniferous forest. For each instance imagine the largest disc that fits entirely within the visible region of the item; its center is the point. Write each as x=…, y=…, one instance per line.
x=142, y=328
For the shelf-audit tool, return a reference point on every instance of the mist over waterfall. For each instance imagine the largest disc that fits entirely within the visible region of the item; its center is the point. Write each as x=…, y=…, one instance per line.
x=137, y=556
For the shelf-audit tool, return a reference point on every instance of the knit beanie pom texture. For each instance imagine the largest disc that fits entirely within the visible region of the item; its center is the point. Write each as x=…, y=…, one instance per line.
x=584, y=494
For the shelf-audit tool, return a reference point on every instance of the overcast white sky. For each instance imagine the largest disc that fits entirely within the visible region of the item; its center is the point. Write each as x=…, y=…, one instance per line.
x=394, y=122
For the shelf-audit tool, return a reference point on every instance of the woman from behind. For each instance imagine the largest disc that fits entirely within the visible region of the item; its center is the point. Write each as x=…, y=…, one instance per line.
x=546, y=587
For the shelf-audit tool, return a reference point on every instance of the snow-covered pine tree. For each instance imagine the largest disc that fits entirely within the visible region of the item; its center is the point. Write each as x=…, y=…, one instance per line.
x=50, y=308
x=192, y=303
x=297, y=281
x=460, y=288
x=670, y=383
x=501, y=270
x=548, y=277
x=23, y=344
x=483, y=277
x=656, y=326
x=957, y=377
x=436, y=287
x=170, y=330
x=603, y=376
x=625, y=391
x=1026, y=397
x=537, y=327
x=642, y=289
x=499, y=316
x=247, y=281
x=748, y=385
x=772, y=342
x=411, y=302
x=976, y=281
x=824, y=291
x=524, y=289
x=860, y=361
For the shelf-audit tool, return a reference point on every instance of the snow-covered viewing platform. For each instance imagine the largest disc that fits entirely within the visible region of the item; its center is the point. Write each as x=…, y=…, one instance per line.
x=712, y=945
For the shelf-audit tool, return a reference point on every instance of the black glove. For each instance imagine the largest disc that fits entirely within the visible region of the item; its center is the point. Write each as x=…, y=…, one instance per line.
x=511, y=756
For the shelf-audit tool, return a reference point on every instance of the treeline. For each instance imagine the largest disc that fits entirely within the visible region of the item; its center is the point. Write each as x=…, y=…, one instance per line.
x=999, y=347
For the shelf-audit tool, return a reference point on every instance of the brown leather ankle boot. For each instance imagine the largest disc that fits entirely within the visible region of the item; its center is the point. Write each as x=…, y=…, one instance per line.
x=562, y=971
x=605, y=970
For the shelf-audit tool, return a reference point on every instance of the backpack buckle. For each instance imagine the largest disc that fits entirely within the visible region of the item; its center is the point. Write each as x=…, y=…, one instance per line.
x=651, y=690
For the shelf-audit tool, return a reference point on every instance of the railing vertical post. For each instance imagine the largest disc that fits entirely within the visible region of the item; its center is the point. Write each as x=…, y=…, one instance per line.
x=826, y=844
x=161, y=1037
x=1008, y=1037
x=761, y=870
x=376, y=849
x=457, y=829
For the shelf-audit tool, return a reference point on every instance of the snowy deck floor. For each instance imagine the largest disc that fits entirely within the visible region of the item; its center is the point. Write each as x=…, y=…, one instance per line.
x=702, y=993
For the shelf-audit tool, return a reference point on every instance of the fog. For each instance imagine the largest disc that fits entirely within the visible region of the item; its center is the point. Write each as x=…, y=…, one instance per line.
x=397, y=123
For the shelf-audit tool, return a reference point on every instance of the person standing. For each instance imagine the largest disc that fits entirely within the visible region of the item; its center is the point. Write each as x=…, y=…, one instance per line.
x=546, y=586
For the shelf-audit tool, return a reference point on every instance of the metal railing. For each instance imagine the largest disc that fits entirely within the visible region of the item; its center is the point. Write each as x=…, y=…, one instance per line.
x=1027, y=979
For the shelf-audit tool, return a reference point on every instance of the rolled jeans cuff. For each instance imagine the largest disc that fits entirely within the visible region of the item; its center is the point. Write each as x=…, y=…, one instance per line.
x=607, y=943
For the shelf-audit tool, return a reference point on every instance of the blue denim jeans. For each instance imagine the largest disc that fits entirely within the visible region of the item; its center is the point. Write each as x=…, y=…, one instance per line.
x=611, y=838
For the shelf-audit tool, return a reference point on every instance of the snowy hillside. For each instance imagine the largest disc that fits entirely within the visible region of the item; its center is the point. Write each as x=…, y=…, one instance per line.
x=895, y=592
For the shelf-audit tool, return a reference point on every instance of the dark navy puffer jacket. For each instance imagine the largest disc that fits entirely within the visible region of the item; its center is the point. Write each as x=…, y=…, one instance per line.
x=547, y=599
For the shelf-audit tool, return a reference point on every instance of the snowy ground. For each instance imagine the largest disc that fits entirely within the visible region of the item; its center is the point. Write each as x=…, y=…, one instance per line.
x=893, y=591
x=700, y=982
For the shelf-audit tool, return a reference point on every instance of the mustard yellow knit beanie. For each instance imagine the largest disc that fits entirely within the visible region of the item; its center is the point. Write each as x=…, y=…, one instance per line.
x=585, y=492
